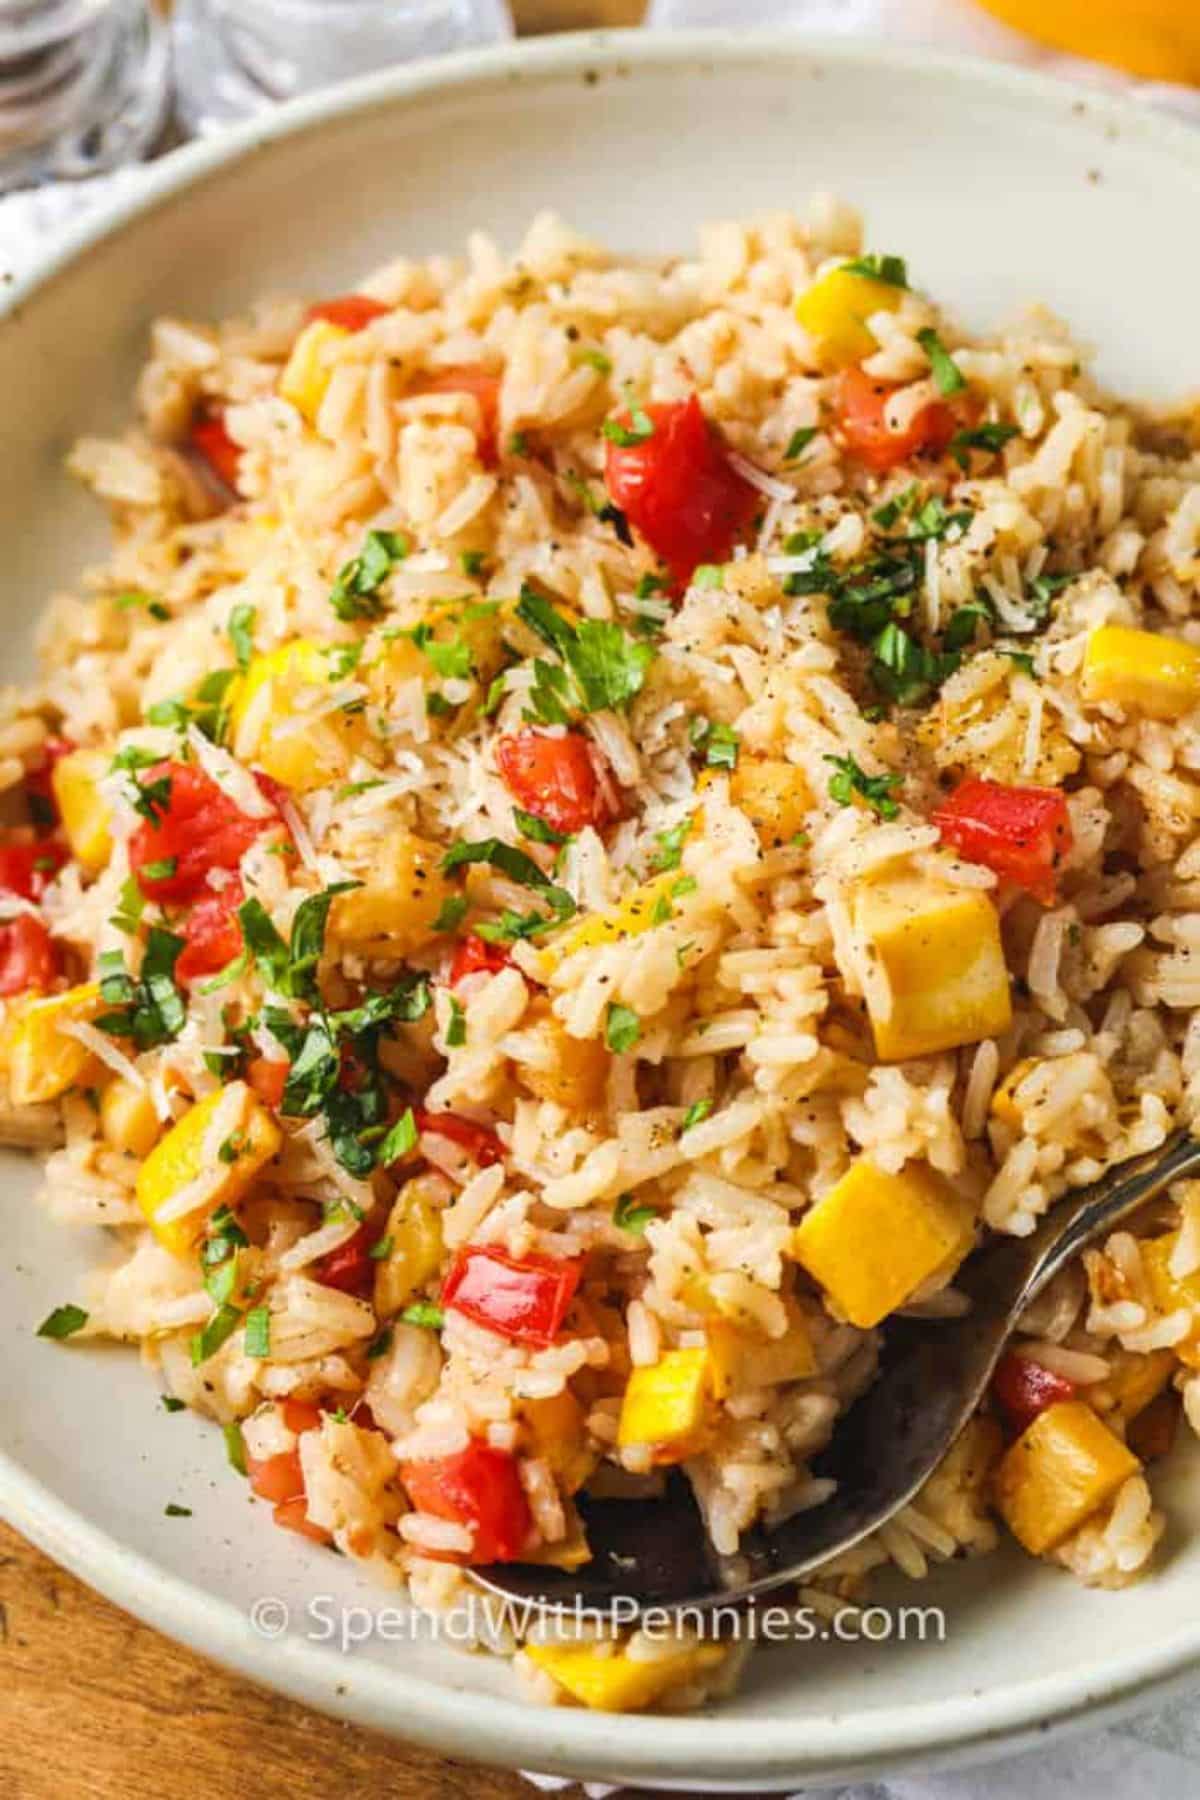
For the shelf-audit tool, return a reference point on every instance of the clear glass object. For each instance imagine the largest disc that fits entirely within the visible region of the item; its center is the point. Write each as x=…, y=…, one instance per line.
x=84, y=87
x=235, y=57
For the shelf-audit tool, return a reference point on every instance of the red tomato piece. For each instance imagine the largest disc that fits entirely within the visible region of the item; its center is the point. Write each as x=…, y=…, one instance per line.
x=28, y=958
x=349, y=1268
x=349, y=311
x=555, y=778
x=484, y=387
x=480, y=1144
x=292, y=1515
x=268, y=1077
x=280, y=1479
x=473, y=955
x=679, y=489
x=210, y=440
x=861, y=402
x=43, y=805
x=201, y=829
x=300, y=1415
x=1023, y=1389
x=276, y=1478
x=480, y=1488
x=1022, y=833
x=27, y=868
x=525, y=1300
x=212, y=935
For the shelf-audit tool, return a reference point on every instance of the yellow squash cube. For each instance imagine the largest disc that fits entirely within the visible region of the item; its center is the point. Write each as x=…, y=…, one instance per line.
x=745, y=1359
x=393, y=912
x=1136, y=1380
x=128, y=1121
x=774, y=796
x=473, y=627
x=650, y=903
x=250, y=1138
x=938, y=948
x=307, y=371
x=835, y=309
x=1172, y=1292
x=1151, y=674
x=414, y=1237
x=1060, y=1471
x=572, y=1072
x=269, y=726
x=86, y=815
x=610, y=1681
x=43, y=1060
x=556, y=1432
x=874, y=1239
x=666, y=1405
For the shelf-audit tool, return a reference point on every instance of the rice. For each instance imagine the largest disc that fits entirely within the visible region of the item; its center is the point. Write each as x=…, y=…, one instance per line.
x=612, y=1140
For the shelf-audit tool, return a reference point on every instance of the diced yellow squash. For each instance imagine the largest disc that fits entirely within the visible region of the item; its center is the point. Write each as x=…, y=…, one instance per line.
x=414, y=1236
x=774, y=796
x=835, y=309
x=1149, y=673
x=307, y=371
x=1171, y=1292
x=650, y=903
x=939, y=953
x=402, y=893
x=745, y=1359
x=44, y=1061
x=610, y=1681
x=128, y=1121
x=250, y=1139
x=874, y=1238
x=1136, y=1380
x=556, y=1431
x=569, y=1071
x=1004, y=1106
x=267, y=709
x=1060, y=1471
x=86, y=815
x=666, y=1405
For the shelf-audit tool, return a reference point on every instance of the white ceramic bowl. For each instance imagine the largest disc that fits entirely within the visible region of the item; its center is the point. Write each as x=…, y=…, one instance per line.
x=999, y=188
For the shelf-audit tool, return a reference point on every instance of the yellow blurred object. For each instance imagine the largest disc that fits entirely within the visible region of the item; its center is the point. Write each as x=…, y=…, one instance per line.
x=249, y=1138
x=1136, y=1380
x=413, y=1235
x=774, y=795
x=1159, y=39
x=1143, y=670
x=85, y=813
x=835, y=309
x=268, y=710
x=666, y=1405
x=44, y=1061
x=307, y=371
x=610, y=1681
x=938, y=950
x=556, y=1428
x=402, y=893
x=874, y=1238
x=1004, y=1106
x=1171, y=1292
x=1059, y=1472
x=128, y=1120
x=745, y=1359
x=649, y=904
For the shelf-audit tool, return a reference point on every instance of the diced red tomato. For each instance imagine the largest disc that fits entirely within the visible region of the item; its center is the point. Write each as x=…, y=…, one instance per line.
x=474, y=379
x=201, y=829
x=212, y=936
x=280, y=1479
x=349, y=311
x=1022, y=833
x=27, y=868
x=480, y=1144
x=679, y=490
x=1023, y=1389
x=524, y=1300
x=480, y=1488
x=276, y=1478
x=268, y=1075
x=300, y=1415
x=270, y=789
x=210, y=440
x=555, y=778
x=473, y=956
x=28, y=958
x=349, y=1268
x=861, y=402
x=37, y=783
x=292, y=1515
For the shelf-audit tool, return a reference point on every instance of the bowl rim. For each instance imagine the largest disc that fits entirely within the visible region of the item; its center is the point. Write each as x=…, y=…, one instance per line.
x=661, y=1751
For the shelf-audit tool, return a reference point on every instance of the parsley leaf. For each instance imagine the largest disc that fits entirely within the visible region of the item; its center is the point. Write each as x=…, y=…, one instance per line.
x=63, y=1322
x=629, y=1216
x=876, y=790
x=355, y=593
x=622, y=1029
x=948, y=377
x=638, y=430
x=456, y=1030
x=258, y=1332
x=669, y=854
x=241, y=633
x=150, y=1010
x=799, y=442
x=989, y=438
x=425, y=1313
x=890, y=269
x=535, y=829
x=602, y=667
x=697, y=1111
x=400, y=1139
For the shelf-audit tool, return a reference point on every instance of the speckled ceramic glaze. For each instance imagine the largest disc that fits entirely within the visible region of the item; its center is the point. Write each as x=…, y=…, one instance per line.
x=999, y=188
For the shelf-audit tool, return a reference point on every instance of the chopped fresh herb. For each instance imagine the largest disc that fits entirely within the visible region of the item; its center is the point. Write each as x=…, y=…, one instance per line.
x=989, y=438
x=131, y=904
x=890, y=269
x=400, y=1140
x=798, y=443
x=149, y=799
x=436, y=705
x=379, y=1346
x=719, y=743
x=905, y=670
x=456, y=1030
x=241, y=633
x=235, y=1446
x=258, y=1332
x=220, y=1327
x=495, y=694
x=876, y=790
x=669, y=854
x=698, y=1110
x=472, y=563
x=220, y=1278
x=451, y=913
x=177, y=1512
x=425, y=1313
x=355, y=593
x=639, y=428
x=513, y=925
x=708, y=575
x=1021, y=660
x=150, y=1010
x=135, y=599
x=381, y=1249
x=160, y=871
x=1041, y=593
x=622, y=1029
x=290, y=969
x=594, y=359
x=649, y=585
x=629, y=1216
x=947, y=376
x=518, y=444
x=171, y=1404
x=519, y=867
x=601, y=666
x=63, y=1322
x=207, y=709
x=535, y=829
x=962, y=627
x=343, y=660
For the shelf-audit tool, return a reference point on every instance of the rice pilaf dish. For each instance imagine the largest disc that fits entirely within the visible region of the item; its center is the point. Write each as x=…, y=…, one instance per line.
x=603, y=826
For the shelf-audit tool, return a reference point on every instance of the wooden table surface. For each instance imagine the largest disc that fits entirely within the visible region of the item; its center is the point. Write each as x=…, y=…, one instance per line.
x=94, y=1706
